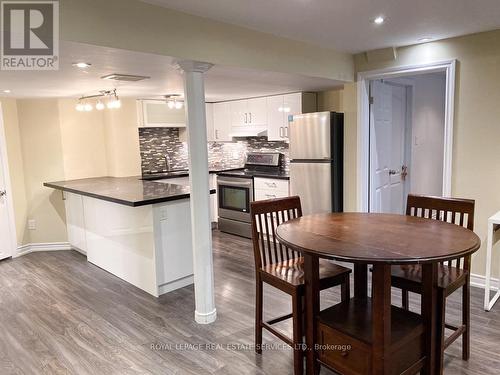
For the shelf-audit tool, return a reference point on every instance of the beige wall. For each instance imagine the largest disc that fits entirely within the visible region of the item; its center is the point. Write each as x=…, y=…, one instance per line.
x=137, y=26
x=48, y=140
x=82, y=140
x=345, y=100
x=16, y=167
x=122, y=140
x=40, y=136
x=476, y=156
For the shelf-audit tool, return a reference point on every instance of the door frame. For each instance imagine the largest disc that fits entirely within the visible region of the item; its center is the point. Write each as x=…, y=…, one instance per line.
x=363, y=154
x=8, y=186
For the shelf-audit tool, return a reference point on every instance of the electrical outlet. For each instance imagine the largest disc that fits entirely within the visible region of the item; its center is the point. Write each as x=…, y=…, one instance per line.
x=32, y=224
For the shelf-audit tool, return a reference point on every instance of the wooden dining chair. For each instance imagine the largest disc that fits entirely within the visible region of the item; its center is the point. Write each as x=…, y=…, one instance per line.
x=281, y=267
x=452, y=275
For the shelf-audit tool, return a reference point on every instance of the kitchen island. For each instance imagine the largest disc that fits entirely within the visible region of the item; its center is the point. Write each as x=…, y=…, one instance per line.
x=137, y=230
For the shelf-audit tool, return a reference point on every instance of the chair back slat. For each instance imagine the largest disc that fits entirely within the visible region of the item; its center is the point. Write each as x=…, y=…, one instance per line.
x=266, y=216
x=452, y=210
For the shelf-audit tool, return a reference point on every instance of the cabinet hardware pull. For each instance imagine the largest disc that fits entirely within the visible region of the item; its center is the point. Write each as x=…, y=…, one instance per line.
x=281, y=131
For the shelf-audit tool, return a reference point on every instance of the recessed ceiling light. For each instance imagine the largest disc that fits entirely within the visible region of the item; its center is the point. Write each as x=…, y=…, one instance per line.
x=6, y=91
x=426, y=39
x=379, y=20
x=81, y=65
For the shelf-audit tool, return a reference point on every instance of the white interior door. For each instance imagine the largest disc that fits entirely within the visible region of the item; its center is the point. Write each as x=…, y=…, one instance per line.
x=387, y=147
x=6, y=234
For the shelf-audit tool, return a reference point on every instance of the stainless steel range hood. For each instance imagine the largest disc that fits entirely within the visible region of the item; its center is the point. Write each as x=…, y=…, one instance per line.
x=249, y=131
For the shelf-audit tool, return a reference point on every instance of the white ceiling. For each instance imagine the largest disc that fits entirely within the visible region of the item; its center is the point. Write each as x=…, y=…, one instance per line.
x=346, y=25
x=222, y=82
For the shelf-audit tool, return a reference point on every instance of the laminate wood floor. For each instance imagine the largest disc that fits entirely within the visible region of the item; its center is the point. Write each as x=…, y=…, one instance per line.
x=60, y=314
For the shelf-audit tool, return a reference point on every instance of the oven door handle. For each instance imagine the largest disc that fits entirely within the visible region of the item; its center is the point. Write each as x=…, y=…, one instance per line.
x=232, y=183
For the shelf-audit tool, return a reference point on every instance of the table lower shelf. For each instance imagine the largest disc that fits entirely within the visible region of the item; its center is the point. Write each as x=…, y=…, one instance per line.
x=345, y=338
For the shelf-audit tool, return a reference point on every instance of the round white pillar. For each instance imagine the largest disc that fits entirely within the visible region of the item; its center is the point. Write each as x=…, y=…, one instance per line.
x=194, y=93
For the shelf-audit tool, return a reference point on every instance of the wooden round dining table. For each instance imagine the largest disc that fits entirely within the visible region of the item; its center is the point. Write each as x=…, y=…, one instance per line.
x=382, y=240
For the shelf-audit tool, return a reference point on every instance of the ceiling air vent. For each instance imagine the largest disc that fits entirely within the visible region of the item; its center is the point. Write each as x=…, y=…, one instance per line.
x=124, y=77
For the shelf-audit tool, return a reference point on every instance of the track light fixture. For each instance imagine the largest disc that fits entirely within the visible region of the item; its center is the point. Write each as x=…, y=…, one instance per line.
x=84, y=103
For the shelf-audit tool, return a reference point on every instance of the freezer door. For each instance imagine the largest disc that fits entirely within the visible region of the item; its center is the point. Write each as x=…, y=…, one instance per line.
x=310, y=136
x=312, y=183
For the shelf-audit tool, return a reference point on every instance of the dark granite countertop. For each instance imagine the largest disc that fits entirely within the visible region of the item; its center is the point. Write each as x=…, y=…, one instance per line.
x=283, y=175
x=129, y=191
x=180, y=173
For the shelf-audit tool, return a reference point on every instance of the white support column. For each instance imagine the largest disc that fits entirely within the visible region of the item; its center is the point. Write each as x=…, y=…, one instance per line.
x=194, y=93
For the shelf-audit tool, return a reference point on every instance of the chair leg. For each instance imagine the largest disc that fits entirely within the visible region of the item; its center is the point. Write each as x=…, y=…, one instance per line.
x=298, y=353
x=440, y=321
x=258, y=315
x=405, y=299
x=466, y=321
x=345, y=289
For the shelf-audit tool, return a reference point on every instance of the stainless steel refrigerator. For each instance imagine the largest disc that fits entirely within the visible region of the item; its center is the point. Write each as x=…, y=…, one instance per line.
x=316, y=161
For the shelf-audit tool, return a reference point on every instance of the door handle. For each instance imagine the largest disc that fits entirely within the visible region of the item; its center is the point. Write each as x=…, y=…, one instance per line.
x=216, y=134
x=393, y=171
x=246, y=118
x=3, y=193
x=250, y=117
x=281, y=132
x=286, y=131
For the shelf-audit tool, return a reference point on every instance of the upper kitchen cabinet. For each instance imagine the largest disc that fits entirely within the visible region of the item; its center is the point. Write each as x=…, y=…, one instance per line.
x=157, y=114
x=280, y=108
x=209, y=112
x=211, y=132
x=222, y=122
x=248, y=112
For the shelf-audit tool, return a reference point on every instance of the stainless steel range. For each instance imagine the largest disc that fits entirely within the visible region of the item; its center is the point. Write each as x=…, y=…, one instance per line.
x=235, y=191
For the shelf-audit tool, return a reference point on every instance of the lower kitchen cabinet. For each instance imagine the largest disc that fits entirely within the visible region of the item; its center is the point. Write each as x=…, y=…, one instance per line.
x=270, y=188
x=75, y=221
x=212, y=183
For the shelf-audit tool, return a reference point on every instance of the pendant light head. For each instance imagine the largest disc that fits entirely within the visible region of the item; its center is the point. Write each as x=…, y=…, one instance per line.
x=80, y=107
x=173, y=101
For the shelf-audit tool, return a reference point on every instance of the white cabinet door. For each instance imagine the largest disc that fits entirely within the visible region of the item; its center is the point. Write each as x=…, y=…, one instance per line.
x=292, y=105
x=239, y=113
x=270, y=188
x=75, y=221
x=214, y=203
x=156, y=113
x=209, y=112
x=222, y=121
x=257, y=111
x=275, y=118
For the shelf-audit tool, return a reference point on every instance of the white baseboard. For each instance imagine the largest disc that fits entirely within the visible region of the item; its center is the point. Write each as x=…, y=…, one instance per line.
x=479, y=281
x=35, y=247
x=177, y=284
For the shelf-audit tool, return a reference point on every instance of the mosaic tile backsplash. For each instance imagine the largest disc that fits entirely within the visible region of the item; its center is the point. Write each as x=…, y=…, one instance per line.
x=155, y=143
